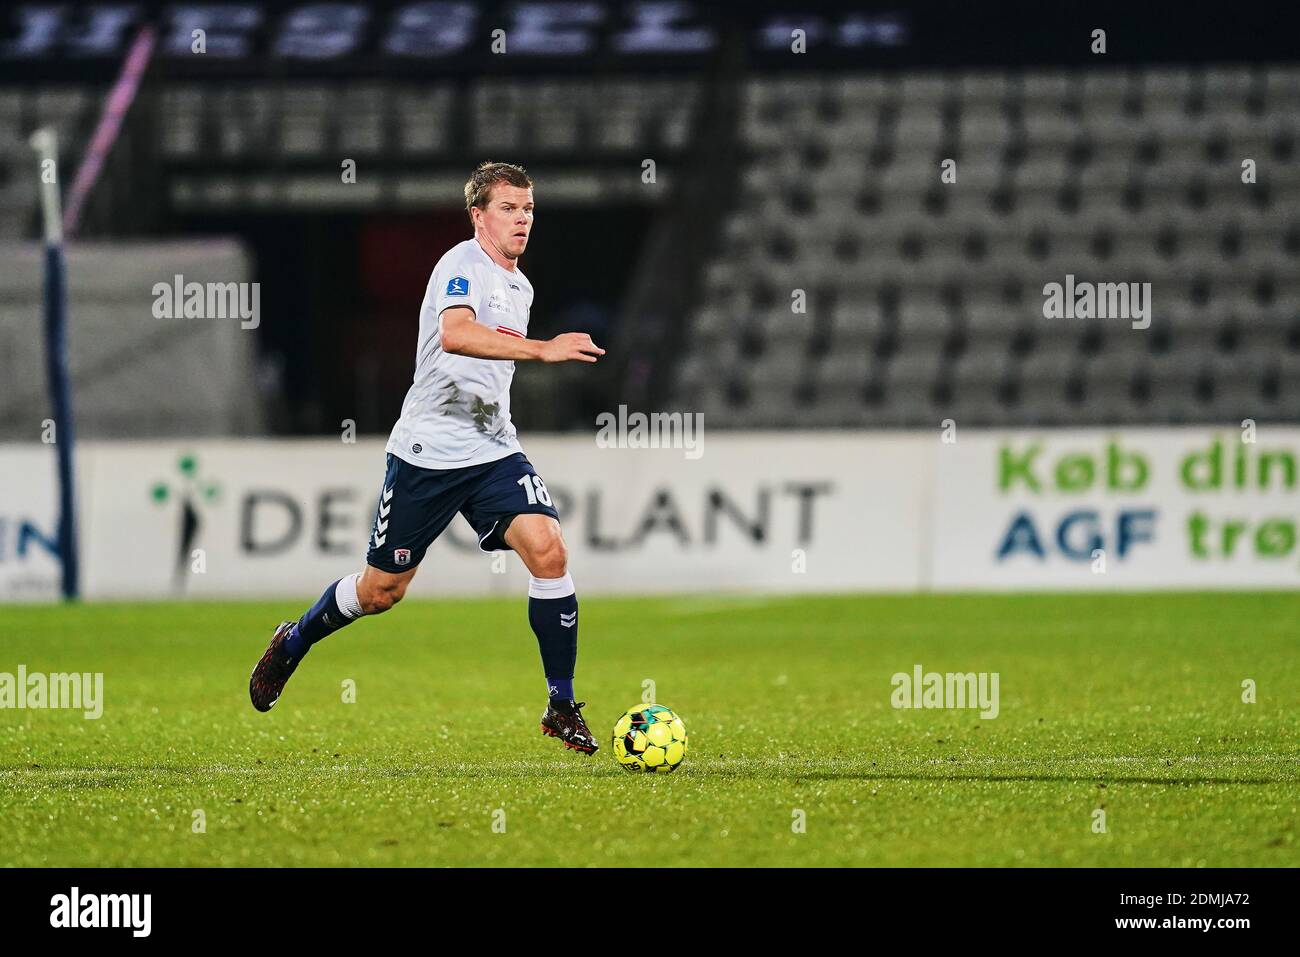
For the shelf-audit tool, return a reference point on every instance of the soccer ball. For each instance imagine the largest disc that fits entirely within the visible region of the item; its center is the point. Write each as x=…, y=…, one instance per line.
x=650, y=737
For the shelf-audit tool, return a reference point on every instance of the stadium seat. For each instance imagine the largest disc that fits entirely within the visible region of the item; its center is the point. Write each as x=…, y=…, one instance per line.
x=936, y=288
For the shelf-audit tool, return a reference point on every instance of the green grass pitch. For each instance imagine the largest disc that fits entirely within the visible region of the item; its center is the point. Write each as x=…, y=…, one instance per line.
x=1127, y=703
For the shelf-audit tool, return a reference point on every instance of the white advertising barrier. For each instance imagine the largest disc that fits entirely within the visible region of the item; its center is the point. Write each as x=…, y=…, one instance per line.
x=29, y=530
x=1072, y=509
x=817, y=512
x=1121, y=509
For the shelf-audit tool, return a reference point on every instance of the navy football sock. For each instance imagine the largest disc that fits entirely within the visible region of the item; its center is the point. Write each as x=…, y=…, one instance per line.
x=338, y=606
x=553, y=613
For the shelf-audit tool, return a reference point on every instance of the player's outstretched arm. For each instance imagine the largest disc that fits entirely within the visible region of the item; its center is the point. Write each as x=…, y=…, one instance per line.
x=462, y=335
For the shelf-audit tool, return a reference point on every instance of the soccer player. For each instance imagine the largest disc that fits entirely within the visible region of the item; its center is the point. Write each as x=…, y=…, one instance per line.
x=454, y=449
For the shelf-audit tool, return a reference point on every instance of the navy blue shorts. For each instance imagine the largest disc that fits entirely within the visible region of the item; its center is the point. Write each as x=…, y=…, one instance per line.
x=417, y=504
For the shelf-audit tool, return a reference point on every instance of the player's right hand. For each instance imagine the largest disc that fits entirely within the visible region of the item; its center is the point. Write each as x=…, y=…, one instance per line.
x=571, y=345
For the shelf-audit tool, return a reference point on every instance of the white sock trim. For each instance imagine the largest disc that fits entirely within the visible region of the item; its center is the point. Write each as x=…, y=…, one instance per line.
x=551, y=587
x=345, y=596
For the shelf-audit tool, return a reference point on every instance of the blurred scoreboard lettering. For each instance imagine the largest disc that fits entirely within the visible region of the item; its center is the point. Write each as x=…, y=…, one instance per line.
x=81, y=41
x=444, y=31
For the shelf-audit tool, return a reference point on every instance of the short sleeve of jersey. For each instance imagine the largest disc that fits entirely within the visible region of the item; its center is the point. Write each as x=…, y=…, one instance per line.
x=458, y=283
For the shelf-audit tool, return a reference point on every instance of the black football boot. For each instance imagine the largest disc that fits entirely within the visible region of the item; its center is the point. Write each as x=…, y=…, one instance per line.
x=563, y=720
x=272, y=672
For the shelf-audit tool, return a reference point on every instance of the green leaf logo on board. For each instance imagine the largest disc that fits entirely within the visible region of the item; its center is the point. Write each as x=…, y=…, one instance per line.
x=190, y=491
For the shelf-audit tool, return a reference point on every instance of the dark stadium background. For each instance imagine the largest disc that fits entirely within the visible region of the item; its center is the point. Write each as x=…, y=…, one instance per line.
x=626, y=261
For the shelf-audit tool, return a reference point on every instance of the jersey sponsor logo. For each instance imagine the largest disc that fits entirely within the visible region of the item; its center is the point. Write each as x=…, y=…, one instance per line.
x=498, y=303
x=417, y=448
x=457, y=286
x=401, y=556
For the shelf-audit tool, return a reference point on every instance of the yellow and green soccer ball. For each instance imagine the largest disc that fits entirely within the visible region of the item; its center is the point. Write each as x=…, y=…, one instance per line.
x=650, y=737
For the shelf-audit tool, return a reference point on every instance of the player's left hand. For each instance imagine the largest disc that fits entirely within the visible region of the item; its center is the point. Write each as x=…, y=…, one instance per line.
x=571, y=346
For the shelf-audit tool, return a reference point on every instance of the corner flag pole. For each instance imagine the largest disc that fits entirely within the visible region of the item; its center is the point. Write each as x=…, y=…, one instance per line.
x=116, y=106
x=56, y=352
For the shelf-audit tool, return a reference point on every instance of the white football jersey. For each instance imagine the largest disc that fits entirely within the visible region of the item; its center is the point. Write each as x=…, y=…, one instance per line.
x=457, y=411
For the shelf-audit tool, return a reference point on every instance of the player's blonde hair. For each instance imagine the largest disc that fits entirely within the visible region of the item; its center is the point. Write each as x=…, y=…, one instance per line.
x=479, y=188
